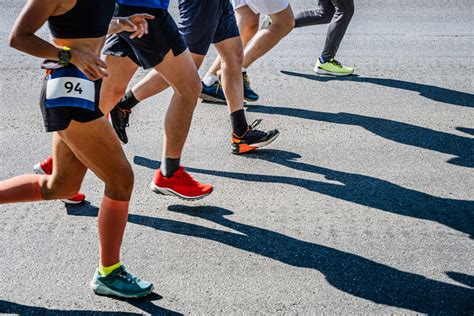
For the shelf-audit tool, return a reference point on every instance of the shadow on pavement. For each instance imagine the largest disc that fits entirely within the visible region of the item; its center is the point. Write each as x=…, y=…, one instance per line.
x=434, y=93
x=356, y=188
x=462, y=147
x=19, y=309
x=347, y=272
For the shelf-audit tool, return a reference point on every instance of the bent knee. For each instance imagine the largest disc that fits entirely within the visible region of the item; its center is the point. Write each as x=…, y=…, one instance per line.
x=190, y=88
x=284, y=25
x=120, y=185
x=54, y=188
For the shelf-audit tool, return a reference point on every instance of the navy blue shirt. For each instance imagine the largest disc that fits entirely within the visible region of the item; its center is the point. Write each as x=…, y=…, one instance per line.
x=155, y=4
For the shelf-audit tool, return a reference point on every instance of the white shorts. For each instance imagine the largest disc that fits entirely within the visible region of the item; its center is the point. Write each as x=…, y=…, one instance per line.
x=262, y=6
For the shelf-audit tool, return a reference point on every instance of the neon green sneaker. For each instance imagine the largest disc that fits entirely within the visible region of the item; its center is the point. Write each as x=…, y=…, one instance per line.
x=120, y=283
x=332, y=67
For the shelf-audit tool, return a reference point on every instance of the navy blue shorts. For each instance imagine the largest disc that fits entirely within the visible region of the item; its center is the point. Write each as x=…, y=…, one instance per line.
x=151, y=49
x=206, y=22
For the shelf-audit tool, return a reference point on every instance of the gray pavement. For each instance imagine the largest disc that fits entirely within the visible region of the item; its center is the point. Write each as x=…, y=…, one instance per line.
x=364, y=205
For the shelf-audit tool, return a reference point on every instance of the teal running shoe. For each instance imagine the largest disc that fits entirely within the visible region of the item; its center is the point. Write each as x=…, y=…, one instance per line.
x=120, y=283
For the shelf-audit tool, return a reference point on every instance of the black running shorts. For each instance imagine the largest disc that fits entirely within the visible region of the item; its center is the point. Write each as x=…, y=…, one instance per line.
x=151, y=49
x=68, y=95
x=206, y=22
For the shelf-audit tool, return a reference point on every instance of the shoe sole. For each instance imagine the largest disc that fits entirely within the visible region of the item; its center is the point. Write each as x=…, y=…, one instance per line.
x=170, y=192
x=101, y=289
x=323, y=72
x=211, y=99
x=259, y=145
x=38, y=170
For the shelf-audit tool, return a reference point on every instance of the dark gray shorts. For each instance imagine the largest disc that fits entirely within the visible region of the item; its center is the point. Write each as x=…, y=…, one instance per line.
x=206, y=22
x=151, y=49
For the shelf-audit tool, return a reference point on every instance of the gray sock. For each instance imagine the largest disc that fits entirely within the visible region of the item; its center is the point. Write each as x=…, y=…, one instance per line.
x=169, y=166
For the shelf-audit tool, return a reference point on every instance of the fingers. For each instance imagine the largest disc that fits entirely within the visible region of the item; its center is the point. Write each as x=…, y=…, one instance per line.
x=144, y=16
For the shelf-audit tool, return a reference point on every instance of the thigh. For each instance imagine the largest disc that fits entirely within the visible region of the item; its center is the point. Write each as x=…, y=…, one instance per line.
x=230, y=50
x=97, y=147
x=121, y=71
x=283, y=16
x=67, y=168
x=179, y=71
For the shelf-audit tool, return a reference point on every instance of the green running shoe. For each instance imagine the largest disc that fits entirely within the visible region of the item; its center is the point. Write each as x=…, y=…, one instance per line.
x=332, y=67
x=120, y=283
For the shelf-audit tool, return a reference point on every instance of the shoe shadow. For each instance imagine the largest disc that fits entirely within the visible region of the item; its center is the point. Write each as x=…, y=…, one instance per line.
x=431, y=92
x=356, y=188
x=412, y=135
x=347, y=272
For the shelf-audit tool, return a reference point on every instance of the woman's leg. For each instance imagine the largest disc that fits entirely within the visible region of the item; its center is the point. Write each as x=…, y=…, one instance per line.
x=65, y=181
x=96, y=146
x=321, y=15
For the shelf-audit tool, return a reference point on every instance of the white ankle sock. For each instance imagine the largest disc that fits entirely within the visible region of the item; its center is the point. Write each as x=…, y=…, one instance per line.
x=209, y=79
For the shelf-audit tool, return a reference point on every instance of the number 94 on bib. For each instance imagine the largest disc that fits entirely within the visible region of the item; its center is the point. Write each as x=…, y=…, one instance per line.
x=69, y=87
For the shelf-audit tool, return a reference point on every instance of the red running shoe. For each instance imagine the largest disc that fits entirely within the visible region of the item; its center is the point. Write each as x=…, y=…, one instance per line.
x=46, y=167
x=181, y=184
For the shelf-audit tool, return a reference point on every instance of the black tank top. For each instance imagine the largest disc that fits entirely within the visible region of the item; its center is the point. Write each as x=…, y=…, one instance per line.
x=87, y=19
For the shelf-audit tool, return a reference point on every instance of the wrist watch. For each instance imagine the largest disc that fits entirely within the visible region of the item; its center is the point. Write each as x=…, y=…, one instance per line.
x=64, y=56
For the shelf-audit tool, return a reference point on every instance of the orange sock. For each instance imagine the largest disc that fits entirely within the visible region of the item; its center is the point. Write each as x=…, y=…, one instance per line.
x=112, y=220
x=25, y=188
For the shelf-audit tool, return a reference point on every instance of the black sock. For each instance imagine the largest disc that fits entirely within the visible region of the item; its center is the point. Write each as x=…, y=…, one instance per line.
x=239, y=122
x=169, y=166
x=128, y=101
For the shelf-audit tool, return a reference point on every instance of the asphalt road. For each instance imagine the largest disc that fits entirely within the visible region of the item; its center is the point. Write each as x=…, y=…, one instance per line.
x=364, y=205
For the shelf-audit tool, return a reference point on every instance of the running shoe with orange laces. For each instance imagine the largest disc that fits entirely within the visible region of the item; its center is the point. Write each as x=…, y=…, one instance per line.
x=46, y=167
x=181, y=184
x=252, y=139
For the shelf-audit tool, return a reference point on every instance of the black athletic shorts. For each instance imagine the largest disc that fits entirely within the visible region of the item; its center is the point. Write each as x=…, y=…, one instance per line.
x=151, y=49
x=67, y=94
x=206, y=22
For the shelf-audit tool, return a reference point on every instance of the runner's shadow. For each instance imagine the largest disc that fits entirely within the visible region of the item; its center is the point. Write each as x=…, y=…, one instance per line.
x=356, y=188
x=347, y=272
x=434, y=93
x=413, y=135
x=19, y=309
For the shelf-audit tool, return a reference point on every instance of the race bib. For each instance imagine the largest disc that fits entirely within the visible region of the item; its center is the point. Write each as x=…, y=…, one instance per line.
x=70, y=87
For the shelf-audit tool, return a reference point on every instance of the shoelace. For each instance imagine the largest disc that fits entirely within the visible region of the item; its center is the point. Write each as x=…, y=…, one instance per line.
x=129, y=277
x=335, y=63
x=246, y=80
x=188, y=177
x=255, y=123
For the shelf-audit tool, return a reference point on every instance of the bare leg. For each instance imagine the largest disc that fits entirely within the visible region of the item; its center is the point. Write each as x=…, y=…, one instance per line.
x=180, y=73
x=282, y=24
x=95, y=145
x=121, y=71
x=231, y=52
x=247, y=22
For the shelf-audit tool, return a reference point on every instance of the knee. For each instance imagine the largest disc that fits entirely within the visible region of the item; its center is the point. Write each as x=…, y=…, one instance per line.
x=345, y=15
x=248, y=28
x=283, y=25
x=55, y=188
x=190, y=88
x=120, y=186
x=233, y=59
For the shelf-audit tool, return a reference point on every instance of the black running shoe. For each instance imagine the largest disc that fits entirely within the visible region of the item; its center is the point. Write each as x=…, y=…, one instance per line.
x=249, y=94
x=252, y=139
x=119, y=118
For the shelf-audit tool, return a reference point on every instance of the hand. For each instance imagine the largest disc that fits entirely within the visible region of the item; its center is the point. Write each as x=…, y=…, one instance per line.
x=137, y=24
x=91, y=65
